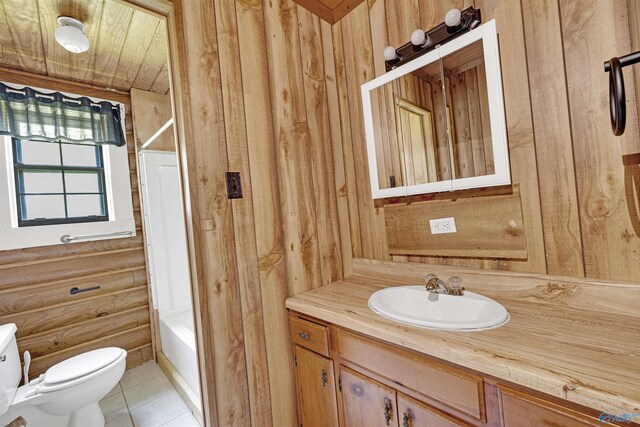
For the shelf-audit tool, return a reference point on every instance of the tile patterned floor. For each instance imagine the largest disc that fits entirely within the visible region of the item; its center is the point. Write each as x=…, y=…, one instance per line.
x=144, y=397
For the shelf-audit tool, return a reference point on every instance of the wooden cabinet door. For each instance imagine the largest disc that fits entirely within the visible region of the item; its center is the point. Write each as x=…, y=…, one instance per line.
x=413, y=413
x=522, y=410
x=316, y=389
x=367, y=403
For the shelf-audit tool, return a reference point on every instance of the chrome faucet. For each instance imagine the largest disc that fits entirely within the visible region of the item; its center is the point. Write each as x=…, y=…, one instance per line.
x=437, y=286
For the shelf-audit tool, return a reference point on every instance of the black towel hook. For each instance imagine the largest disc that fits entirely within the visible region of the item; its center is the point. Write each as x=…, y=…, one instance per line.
x=617, y=96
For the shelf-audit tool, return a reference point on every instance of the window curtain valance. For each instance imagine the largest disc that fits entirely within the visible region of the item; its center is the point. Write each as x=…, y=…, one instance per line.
x=29, y=114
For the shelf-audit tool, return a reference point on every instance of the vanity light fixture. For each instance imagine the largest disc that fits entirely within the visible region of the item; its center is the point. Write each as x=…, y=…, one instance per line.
x=70, y=35
x=455, y=23
x=420, y=38
x=390, y=53
x=453, y=17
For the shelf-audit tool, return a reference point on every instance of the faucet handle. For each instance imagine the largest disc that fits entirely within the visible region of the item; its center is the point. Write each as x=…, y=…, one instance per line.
x=431, y=282
x=455, y=283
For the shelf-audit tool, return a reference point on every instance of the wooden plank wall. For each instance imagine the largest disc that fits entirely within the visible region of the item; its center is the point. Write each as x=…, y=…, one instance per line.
x=259, y=95
x=35, y=282
x=578, y=182
x=271, y=91
x=151, y=111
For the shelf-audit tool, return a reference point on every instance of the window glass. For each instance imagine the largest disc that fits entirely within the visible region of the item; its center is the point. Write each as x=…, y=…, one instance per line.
x=35, y=182
x=38, y=153
x=83, y=182
x=80, y=155
x=85, y=205
x=59, y=183
x=42, y=207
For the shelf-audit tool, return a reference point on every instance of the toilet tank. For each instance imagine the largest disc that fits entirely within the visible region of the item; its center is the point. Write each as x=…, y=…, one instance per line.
x=10, y=369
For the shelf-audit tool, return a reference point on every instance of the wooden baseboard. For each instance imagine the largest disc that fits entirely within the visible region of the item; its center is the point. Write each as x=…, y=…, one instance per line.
x=188, y=396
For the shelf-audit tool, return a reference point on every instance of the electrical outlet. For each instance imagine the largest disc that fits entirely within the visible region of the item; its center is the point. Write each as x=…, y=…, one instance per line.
x=443, y=225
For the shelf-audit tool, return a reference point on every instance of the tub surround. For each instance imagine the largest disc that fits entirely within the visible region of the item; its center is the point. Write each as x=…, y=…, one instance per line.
x=574, y=339
x=179, y=346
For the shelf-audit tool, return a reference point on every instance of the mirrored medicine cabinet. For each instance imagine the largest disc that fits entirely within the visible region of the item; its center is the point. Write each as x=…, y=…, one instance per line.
x=437, y=123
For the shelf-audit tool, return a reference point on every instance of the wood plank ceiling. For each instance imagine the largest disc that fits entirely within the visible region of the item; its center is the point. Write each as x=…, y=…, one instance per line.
x=329, y=10
x=128, y=47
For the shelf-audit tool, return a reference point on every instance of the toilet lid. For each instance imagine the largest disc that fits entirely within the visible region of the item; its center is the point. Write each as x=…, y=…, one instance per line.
x=81, y=365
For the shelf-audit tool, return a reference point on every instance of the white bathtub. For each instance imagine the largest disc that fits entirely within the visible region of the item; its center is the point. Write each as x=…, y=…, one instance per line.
x=179, y=345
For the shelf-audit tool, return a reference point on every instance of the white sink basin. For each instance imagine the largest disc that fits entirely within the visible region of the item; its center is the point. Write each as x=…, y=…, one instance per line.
x=415, y=306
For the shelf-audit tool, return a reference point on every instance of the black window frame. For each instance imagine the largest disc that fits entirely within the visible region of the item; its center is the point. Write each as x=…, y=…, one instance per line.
x=18, y=167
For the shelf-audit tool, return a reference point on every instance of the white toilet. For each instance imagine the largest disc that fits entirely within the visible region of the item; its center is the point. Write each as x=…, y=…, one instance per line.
x=67, y=395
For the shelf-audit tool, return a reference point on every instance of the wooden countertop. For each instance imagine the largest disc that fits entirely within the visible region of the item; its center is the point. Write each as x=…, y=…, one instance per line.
x=576, y=339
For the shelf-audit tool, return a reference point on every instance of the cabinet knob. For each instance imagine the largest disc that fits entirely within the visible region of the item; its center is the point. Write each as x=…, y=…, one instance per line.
x=323, y=377
x=387, y=410
x=304, y=335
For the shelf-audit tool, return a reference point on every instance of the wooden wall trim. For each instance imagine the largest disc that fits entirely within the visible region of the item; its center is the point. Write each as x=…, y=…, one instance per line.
x=318, y=8
x=344, y=8
x=160, y=8
x=52, y=83
x=327, y=13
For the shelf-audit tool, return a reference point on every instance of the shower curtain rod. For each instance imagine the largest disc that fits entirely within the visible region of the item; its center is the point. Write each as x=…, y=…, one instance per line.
x=157, y=134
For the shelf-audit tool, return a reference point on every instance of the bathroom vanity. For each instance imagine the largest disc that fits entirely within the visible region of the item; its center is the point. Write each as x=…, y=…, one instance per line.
x=569, y=356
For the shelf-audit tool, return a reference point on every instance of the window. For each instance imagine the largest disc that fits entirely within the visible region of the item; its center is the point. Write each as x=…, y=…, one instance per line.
x=64, y=169
x=59, y=183
x=49, y=190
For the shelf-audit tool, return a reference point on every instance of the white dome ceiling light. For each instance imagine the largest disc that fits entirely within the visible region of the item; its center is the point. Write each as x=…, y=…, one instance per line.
x=70, y=35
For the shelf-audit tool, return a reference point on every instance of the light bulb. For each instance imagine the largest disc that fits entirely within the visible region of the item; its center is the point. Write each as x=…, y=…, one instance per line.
x=452, y=17
x=390, y=53
x=420, y=38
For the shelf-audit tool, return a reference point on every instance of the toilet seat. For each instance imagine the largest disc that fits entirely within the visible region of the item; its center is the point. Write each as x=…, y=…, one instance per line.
x=78, y=369
x=81, y=365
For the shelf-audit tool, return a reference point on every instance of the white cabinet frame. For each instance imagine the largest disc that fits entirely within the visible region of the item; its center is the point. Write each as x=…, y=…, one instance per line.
x=502, y=172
